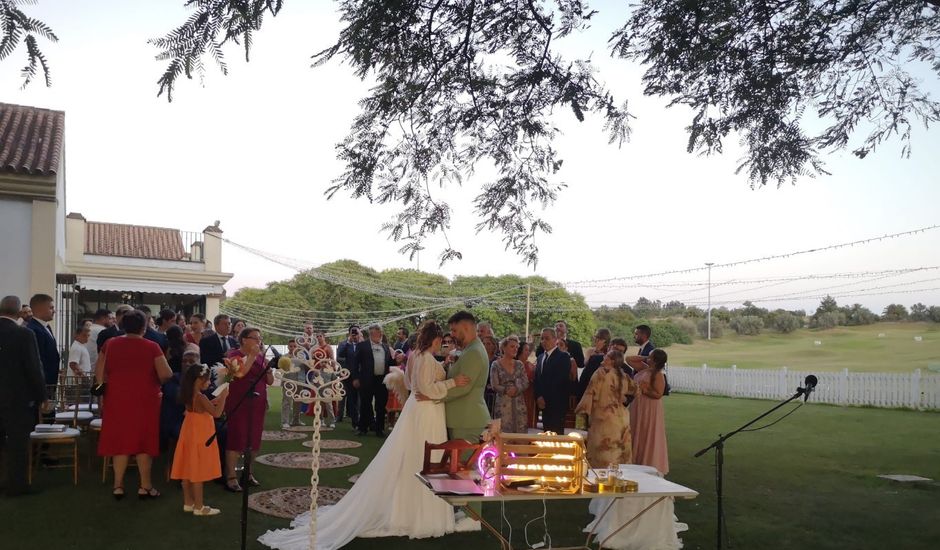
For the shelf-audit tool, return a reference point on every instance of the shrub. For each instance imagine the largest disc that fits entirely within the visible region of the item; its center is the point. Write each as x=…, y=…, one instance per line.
x=687, y=326
x=786, y=322
x=747, y=325
x=718, y=328
x=827, y=320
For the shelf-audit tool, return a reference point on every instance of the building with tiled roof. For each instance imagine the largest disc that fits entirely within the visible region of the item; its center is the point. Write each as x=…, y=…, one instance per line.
x=88, y=265
x=32, y=199
x=160, y=267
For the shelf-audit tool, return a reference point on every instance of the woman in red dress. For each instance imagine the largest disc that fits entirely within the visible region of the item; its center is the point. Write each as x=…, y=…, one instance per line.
x=134, y=369
x=239, y=429
x=323, y=350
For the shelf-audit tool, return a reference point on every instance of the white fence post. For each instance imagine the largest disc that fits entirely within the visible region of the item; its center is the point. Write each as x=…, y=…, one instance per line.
x=916, y=401
x=703, y=388
x=734, y=380
x=782, y=388
x=844, y=388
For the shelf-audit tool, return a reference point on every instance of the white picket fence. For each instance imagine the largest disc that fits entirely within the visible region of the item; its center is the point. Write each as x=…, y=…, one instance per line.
x=875, y=389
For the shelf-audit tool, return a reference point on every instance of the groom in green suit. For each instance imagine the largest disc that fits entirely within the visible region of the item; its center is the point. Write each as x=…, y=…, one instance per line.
x=466, y=412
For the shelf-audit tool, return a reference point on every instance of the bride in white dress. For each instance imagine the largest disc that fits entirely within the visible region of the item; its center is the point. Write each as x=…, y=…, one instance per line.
x=387, y=500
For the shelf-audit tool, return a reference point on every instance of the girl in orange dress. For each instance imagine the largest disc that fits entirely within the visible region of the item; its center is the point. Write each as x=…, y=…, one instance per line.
x=194, y=463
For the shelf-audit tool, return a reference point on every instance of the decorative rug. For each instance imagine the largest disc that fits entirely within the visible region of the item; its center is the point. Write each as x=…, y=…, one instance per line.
x=354, y=478
x=302, y=461
x=269, y=435
x=323, y=428
x=334, y=444
x=290, y=502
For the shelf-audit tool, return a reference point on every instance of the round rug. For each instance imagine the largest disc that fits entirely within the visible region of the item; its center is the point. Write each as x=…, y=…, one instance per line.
x=334, y=444
x=302, y=461
x=354, y=478
x=269, y=435
x=323, y=428
x=290, y=502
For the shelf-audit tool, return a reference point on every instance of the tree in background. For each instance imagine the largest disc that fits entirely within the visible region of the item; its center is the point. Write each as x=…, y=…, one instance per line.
x=858, y=314
x=919, y=312
x=786, y=322
x=894, y=312
x=460, y=82
x=747, y=325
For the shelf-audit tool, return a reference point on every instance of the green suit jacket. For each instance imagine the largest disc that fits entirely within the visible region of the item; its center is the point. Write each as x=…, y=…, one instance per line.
x=464, y=406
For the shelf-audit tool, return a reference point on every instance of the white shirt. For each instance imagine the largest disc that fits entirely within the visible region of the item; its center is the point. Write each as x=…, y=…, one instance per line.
x=78, y=353
x=378, y=355
x=92, y=345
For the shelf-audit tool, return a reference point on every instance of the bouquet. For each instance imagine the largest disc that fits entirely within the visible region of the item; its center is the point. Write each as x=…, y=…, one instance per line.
x=233, y=368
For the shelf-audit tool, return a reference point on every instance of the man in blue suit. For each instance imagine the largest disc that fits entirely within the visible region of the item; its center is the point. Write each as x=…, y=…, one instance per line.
x=43, y=307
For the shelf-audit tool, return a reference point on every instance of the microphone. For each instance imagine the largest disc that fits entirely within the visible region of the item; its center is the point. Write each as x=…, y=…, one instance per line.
x=810, y=384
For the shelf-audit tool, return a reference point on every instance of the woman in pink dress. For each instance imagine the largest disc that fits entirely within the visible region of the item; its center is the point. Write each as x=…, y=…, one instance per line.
x=133, y=368
x=239, y=429
x=647, y=418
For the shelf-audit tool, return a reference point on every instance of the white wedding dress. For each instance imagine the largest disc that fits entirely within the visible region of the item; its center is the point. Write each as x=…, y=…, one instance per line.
x=387, y=500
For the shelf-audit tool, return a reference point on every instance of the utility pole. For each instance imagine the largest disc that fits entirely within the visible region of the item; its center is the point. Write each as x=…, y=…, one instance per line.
x=528, y=300
x=709, y=264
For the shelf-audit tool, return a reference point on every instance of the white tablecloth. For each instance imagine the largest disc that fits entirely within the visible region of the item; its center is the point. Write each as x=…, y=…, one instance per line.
x=657, y=529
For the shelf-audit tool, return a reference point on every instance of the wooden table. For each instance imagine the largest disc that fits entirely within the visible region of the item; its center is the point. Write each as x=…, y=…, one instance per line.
x=650, y=486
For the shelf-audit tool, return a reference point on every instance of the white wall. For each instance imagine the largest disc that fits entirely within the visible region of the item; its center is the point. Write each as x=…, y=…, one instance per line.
x=15, y=247
x=60, y=214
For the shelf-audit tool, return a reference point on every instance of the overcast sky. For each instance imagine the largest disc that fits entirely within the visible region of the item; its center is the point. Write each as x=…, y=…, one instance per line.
x=256, y=151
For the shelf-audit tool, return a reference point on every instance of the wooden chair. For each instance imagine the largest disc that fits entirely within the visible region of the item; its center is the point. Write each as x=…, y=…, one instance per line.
x=61, y=439
x=73, y=402
x=450, y=461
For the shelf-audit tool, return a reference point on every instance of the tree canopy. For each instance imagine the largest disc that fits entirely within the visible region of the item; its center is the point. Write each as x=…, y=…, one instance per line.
x=465, y=83
x=282, y=307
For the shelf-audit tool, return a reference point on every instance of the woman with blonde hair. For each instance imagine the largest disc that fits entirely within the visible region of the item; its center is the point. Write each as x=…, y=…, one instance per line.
x=509, y=382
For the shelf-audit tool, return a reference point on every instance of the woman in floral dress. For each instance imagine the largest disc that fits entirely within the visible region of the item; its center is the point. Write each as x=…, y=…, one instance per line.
x=509, y=382
x=609, y=439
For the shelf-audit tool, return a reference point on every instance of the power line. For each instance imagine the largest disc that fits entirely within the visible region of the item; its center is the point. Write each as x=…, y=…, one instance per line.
x=758, y=259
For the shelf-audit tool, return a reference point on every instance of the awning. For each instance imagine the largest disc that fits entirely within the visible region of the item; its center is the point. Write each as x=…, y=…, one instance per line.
x=151, y=287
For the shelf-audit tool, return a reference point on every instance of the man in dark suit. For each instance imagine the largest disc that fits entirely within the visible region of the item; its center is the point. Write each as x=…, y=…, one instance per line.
x=574, y=347
x=43, y=307
x=216, y=343
x=152, y=334
x=370, y=365
x=345, y=356
x=641, y=335
x=552, y=383
x=115, y=329
x=22, y=390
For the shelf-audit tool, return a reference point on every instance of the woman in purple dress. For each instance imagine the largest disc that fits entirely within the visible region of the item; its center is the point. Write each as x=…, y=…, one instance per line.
x=253, y=409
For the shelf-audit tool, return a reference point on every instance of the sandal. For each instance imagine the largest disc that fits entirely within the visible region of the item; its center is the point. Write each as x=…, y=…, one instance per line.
x=206, y=511
x=148, y=494
x=254, y=482
x=232, y=486
x=118, y=495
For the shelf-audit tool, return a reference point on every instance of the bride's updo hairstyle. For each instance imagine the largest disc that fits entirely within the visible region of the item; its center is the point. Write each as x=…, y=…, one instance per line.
x=427, y=332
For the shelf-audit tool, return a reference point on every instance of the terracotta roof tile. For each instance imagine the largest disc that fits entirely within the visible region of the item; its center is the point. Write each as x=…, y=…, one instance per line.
x=30, y=139
x=133, y=241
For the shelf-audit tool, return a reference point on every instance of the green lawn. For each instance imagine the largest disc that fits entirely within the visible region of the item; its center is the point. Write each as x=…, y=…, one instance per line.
x=859, y=349
x=806, y=482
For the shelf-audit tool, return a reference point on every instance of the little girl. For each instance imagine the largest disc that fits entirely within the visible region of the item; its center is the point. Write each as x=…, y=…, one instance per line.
x=193, y=462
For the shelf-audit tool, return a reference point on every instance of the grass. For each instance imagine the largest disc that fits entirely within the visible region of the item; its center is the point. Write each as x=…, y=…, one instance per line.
x=809, y=481
x=859, y=349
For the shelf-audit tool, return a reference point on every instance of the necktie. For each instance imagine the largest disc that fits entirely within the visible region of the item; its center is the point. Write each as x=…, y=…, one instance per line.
x=224, y=344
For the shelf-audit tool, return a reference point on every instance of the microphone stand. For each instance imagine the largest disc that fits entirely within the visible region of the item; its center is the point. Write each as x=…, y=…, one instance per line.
x=719, y=446
x=246, y=453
